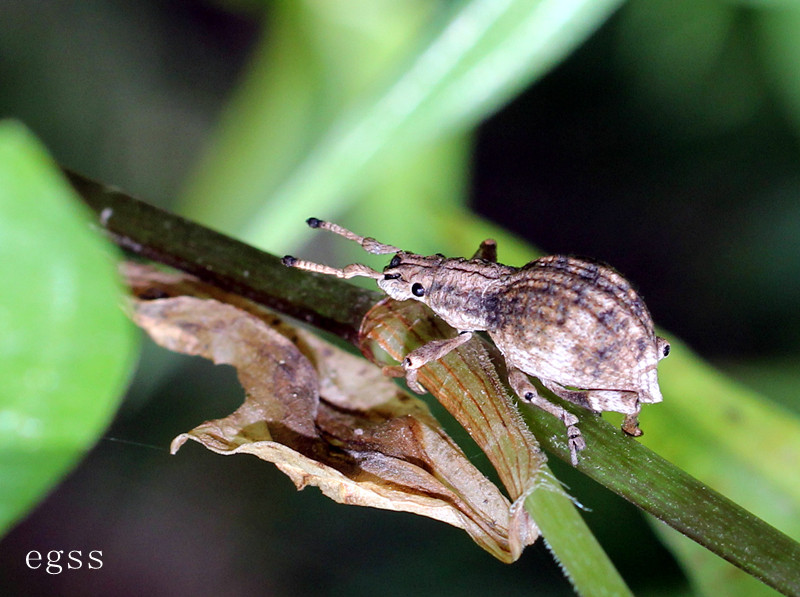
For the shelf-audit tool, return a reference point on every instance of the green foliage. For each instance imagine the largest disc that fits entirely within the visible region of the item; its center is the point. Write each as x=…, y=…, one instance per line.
x=66, y=348
x=441, y=84
x=582, y=558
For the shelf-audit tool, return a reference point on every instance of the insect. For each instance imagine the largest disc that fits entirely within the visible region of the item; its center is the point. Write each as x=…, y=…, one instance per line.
x=576, y=325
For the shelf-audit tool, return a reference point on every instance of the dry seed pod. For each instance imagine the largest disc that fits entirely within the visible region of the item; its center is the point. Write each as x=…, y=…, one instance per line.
x=570, y=322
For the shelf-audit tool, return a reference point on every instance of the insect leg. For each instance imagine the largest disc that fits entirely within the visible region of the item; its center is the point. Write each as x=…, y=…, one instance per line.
x=419, y=357
x=368, y=244
x=621, y=401
x=631, y=425
x=487, y=251
x=578, y=397
x=520, y=383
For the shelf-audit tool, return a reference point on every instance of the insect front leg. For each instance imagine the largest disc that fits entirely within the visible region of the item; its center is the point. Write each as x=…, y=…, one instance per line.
x=520, y=383
x=427, y=353
x=631, y=425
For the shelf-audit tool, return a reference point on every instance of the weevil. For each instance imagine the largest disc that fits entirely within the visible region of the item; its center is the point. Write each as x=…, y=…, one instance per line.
x=576, y=325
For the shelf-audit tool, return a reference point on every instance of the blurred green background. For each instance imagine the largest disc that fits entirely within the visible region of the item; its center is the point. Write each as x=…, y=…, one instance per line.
x=665, y=144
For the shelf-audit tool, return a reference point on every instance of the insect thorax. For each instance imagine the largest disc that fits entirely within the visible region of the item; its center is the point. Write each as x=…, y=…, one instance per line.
x=466, y=293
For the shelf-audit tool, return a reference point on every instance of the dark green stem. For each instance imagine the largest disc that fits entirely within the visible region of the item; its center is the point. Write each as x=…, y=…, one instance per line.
x=158, y=235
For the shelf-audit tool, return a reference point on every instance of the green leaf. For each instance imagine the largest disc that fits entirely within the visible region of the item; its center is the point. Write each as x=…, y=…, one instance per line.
x=66, y=348
x=732, y=440
x=477, y=59
x=777, y=34
x=314, y=59
x=582, y=559
x=657, y=486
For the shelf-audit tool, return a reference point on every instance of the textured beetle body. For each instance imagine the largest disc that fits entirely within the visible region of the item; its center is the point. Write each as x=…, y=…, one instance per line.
x=460, y=291
x=576, y=325
x=580, y=324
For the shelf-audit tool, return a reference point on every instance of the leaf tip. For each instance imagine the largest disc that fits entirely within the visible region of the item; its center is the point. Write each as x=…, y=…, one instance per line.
x=176, y=443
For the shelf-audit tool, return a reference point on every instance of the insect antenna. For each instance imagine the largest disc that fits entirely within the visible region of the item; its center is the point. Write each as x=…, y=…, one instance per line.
x=350, y=271
x=356, y=269
x=370, y=245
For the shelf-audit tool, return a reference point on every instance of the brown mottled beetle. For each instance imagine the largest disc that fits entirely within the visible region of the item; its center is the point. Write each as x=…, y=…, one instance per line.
x=576, y=325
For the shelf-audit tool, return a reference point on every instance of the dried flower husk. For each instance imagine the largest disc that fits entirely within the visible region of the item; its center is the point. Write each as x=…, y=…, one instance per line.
x=323, y=416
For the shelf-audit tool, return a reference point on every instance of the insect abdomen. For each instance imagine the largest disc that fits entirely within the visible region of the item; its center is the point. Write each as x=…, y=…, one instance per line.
x=576, y=322
x=590, y=277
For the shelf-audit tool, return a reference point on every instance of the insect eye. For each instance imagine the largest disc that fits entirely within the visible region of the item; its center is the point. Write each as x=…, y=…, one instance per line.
x=391, y=276
x=417, y=289
x=395, y=261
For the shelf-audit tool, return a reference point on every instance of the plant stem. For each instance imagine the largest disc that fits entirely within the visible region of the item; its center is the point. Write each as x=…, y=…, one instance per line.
x=231, y=265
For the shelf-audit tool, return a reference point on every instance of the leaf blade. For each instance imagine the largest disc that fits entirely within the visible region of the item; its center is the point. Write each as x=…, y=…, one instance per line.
x=67, y=348
x=644, y=478
x=483, y=54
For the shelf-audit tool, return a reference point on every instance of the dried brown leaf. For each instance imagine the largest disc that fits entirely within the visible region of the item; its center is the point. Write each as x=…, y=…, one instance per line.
x=325, y=417
x=466, y=383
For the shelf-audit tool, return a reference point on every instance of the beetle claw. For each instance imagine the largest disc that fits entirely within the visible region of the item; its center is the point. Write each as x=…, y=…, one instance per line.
x=631, y=425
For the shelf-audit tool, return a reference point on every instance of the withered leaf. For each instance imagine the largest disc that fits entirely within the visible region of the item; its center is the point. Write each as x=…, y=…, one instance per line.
x=466, y=383
x=327, y=418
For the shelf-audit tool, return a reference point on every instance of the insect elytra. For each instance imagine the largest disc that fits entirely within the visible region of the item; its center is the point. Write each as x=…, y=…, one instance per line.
x=575, y=324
